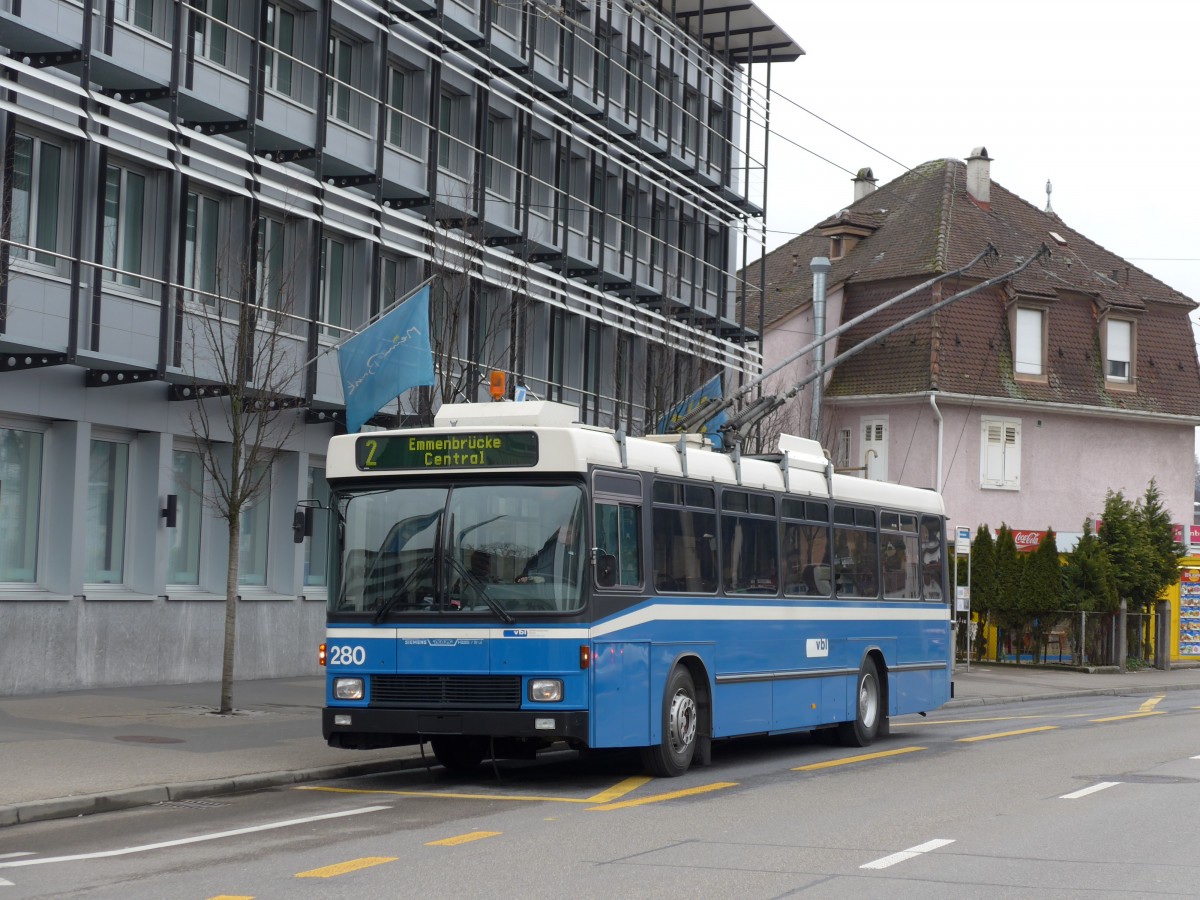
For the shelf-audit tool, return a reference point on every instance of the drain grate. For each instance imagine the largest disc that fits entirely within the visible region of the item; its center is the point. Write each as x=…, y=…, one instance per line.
x=191, y=804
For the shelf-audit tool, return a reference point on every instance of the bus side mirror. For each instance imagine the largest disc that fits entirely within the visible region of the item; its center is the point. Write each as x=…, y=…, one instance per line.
x=606, y=569
x=302, y=524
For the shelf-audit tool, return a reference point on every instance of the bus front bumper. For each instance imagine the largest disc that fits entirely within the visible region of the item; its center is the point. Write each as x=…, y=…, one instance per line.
x=367, y=727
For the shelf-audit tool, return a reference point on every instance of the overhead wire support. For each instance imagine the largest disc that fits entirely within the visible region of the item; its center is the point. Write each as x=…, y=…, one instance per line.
x=738, y=427
x=709, y=410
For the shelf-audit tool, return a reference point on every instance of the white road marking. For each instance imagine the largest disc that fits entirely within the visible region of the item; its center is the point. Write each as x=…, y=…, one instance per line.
x=907, y=854
x=124, y=851
x=11, y=855
x=1075, y=795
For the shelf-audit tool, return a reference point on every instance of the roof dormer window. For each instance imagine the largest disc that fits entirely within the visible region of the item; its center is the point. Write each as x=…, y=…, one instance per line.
x=1118, y=349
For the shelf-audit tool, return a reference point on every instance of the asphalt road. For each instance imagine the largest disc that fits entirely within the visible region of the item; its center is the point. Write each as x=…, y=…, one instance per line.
x=1088, y=796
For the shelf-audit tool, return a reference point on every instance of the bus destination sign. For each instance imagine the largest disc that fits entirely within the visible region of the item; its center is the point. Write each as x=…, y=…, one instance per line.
x=464, y=450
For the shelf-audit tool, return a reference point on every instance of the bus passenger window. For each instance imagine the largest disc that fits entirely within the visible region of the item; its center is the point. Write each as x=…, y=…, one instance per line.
x=618, y=533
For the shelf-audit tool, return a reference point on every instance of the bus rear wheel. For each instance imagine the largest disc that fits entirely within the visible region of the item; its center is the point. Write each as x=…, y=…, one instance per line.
x=868, y=709
x=672, y=756
x=459, y=754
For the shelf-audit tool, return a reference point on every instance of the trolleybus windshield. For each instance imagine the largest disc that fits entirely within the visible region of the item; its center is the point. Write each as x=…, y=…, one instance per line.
x=492, y=549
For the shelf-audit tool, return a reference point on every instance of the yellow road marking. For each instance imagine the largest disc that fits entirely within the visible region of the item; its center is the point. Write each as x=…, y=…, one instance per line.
x=1001, y=734
x=845, y=761
x=925, y=723
x=620, y=790
x=659, y=798
x=351, y=866
x=1136, y=715
x=462, y=839
x=1149, y=705
x=446, y=796
x=232, y=897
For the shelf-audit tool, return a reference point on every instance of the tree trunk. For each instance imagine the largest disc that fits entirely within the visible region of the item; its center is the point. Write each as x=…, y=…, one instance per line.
x=231, y=589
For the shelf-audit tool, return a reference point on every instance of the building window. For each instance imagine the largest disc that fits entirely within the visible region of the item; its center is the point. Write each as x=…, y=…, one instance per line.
x=405, y=122
x=1029, y=352
x=269, y=265
x=183, y=553
x=252, y=542
x=497, y=165
x=556, y=365
x=591, y=372
x=124, y=225
x=453, y=125
x=108, y=491
x=317, y=546
x=335, y=310
x=658, y=227
x=212, y=37
x=20, y=493
x=841, y=455
x=280, y=49
x=37, y=174
x=201, y=227
x=1000, y=454
x=138, y=13
x=541, y=175
x=341, y=73
x=397, y=277
x=689, y=133
x=1118, y=350
x=662, y=101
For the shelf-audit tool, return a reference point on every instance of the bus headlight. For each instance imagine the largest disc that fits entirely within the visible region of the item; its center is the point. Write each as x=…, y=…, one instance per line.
x=545, y=690
x=348, y=688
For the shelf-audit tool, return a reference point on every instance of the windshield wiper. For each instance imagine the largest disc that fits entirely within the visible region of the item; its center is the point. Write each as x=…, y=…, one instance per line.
x=481, y=590
x=401, y=591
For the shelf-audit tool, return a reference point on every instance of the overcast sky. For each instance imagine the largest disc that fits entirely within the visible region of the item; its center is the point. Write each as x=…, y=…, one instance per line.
x=1102, y=99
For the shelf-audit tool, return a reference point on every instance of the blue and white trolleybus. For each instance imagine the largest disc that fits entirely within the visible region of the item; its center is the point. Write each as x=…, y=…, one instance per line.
x=508, y=579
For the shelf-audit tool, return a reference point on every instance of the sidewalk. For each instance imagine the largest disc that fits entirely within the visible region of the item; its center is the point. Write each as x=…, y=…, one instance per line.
x=81, y=752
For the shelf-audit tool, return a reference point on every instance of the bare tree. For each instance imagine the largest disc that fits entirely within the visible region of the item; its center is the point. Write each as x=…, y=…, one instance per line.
x=246, y=358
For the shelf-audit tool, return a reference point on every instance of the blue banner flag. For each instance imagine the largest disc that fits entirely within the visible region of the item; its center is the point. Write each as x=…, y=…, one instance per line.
x=385, y=359
x=710, y=392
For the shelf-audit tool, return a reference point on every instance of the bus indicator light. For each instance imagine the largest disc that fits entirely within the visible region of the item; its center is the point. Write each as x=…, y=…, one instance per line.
x=321, y=654
x=585, y=656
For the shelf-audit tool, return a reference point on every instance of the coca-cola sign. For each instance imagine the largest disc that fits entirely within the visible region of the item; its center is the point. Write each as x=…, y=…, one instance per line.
x=1027, y=540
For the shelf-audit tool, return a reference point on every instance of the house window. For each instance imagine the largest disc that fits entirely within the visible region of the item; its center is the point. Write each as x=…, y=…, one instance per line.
x=841, y=455
x=335, y=308
x=317, y=546
x=269, y=266
x=20, y=493
x=252, y=542
x=183, y=553
x=658, y=225
x=37, y=174
x=1118, y=350
x=396, y=278
x=280, y=49
x=124, y=225
x=108, y=491
x=662, y=100
x=1000, y=454
x=201, y=226
x=1029, y=353
x=689, y=134
x=874, y=448
x=341, y=73
x=212, y=37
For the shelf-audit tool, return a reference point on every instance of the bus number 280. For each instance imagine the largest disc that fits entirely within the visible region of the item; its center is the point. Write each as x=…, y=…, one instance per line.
x=347, y=655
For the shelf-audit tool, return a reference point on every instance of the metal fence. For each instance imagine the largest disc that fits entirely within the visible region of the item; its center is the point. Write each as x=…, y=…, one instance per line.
x=1072, y=638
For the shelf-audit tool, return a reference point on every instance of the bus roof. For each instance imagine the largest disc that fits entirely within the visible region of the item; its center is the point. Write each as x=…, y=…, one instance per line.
x=494, y=439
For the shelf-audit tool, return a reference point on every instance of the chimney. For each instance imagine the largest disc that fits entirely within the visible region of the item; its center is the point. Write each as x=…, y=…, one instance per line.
x=979, y=175
x=864, y=183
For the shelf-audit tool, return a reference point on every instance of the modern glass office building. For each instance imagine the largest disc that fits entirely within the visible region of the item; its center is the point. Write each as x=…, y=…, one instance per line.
x=581, y=180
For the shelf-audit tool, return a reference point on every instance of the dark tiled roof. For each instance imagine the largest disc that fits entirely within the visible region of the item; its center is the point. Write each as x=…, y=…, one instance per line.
x=925, y=223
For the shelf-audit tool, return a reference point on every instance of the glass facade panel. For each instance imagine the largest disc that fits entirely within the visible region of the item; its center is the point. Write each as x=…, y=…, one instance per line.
x=20, y=493
x=183, y=551
x=108, y=492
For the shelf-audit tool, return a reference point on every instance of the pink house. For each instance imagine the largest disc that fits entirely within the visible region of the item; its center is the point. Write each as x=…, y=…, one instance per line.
x=1024, y=402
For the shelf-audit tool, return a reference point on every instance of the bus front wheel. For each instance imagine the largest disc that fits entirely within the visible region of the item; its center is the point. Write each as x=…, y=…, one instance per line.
x=868, y=709
x=680, y=719
x=459, y=754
